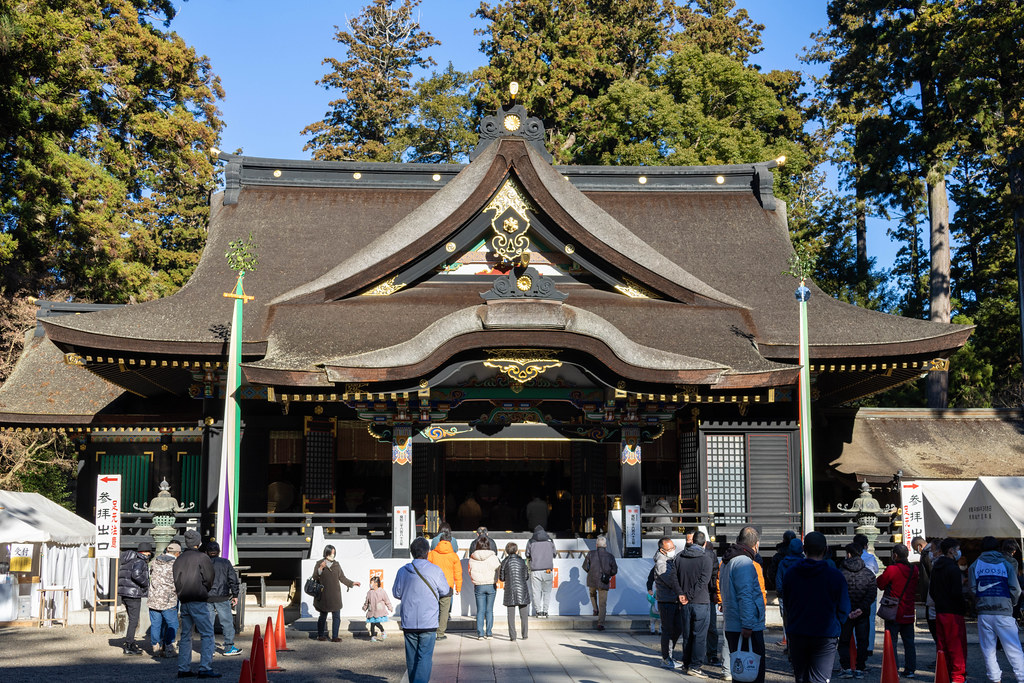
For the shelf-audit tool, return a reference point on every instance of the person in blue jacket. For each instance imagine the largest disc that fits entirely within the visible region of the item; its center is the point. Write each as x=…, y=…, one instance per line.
x=420, y=585
x=817, y=603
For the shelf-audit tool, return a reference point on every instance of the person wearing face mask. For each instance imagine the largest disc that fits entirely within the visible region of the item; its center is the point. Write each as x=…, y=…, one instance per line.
x=328, y=572
x=664, y=586
x=946, y=588
x=743, y=598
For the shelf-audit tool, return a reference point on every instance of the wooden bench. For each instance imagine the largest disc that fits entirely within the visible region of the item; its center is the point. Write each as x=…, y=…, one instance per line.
x=262, y=576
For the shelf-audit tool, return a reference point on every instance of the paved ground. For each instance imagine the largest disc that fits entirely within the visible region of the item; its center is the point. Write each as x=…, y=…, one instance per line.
x=550, y=654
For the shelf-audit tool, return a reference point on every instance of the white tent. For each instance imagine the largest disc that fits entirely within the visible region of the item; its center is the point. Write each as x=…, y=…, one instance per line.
x=65, y=539
x=994, y=507
x=942, y=500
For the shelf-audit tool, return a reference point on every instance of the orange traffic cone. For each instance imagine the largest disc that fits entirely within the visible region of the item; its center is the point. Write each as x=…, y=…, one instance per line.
x=259, y=664
x=890, y=674
x=941, y=668
x=853, y=653
x=257, y=641
x=246, y=675
x=279, y=638
x=270, y=649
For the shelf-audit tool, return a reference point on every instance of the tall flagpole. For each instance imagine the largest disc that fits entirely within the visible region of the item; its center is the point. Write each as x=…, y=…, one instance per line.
x=806, y=472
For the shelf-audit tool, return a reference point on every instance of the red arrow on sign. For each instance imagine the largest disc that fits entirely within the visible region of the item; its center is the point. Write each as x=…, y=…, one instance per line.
x=108, y=479
x=911, y=486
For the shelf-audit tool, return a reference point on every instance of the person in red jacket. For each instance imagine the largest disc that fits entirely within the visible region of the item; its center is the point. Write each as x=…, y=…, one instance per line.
x=947, y=591
x=899, y=580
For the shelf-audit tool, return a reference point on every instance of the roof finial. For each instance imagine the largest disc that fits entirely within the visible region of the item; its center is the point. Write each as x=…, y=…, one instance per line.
x=513, y=89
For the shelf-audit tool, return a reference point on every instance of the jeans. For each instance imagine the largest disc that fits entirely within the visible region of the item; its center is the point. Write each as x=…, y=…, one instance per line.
x=1001, y=627
x=222, y=610
x=812, y=657
x=132, y=606
x=540, y=588
x=484, y=608
x=524, y=613
x=444, y=613
x=756, y=646
x=163, y=626
x=713, y=644
x=906, y=633
x=195, y=614
x=599, y=600
x=419, y=655
x=854, y=628
x=321, y=624
x=671, y=626
x=871, y=627
x=695, y=619
x=951, y=638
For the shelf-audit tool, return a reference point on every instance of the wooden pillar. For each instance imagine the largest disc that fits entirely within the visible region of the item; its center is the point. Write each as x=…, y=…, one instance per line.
x=401, y=490
x=632, y=493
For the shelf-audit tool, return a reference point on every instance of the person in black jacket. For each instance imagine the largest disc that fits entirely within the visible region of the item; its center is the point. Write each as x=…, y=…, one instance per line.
x=516, y=576
x=223, y=596
x=132, y=586
x=600, y=568
x=193, y=578
x=693, y=572
x=946, y=587
x=861, y=584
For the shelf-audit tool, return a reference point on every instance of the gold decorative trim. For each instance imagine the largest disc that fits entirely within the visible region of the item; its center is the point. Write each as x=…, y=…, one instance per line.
x=512, y=123
x=509, y=241
x=450, y=247
x=524, y=283
x=386, y=288
x=522, y=365
x=634, y=290
x=74, y=359
x=570, y=249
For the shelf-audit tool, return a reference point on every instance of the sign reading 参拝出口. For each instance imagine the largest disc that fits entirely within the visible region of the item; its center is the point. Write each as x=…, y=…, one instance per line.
x=912, y=504
x=108, y=515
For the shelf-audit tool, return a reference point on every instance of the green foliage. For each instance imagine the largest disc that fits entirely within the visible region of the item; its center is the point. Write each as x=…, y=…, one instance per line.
x=442, y=128
x=241, y=256
x=383, y=44
x=104, y=175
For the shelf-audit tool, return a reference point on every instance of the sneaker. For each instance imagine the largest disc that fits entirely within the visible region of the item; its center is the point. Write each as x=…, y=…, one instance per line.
x=487, y=637
x=671, y=664
x=126, y=649
x=908, y=674
x=373, y=639
x=231, y=652
x=845, y=673
x=134, y=649
x=209, y=673
x=697, y=673
x=440, y=637
x=186, y=674
x=858, y=674
x=600, y=627
x=384, y=636
x=169, y=652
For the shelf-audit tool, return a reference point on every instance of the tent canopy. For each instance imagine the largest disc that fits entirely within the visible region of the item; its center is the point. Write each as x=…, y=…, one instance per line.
x=942, y=501
x=32, y=518
x=994, y=507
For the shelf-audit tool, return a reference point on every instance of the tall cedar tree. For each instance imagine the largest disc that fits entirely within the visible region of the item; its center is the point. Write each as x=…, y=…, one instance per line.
x=105, y=123
x=886, y=60
x=383, y=44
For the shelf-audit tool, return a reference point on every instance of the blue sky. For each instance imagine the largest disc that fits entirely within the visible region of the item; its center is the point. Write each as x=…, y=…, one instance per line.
x=268, y=56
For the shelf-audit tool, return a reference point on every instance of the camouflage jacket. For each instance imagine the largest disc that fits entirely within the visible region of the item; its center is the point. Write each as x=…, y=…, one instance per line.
x=161, y=583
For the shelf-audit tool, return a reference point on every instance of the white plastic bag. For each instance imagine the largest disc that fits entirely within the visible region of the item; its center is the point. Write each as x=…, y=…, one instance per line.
x=744, y=663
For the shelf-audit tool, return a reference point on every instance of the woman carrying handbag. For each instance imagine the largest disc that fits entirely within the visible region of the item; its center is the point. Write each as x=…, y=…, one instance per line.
x=897, y=607
x=328, y=573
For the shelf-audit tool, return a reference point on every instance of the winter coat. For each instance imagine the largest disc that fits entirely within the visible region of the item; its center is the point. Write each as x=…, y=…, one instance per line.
x=133, y=575
x=946, y=587
x=666, y=584
x=444, y=556
x=540, y=550
x=740, y=585
x=992, y=580
x=420, y=607
x=713, y=593
x=860, y=581
x=193, y=576
x=377, y=604
x=817, y=600
x=161, y=583
x=794, y=555
x=693, y=572
x=517, y=581
x=483, y=567
x=925, y=566
x=599, y=561
x=437, y=539
x=900, y=578
x=225, y=581
x=331, y=577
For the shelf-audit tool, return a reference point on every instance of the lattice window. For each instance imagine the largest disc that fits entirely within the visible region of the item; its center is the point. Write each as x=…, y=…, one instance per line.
x=319, y=484
x=689, y=458
x=727, y=475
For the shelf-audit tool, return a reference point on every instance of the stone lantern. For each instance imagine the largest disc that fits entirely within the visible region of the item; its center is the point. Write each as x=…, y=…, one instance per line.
x=163, y=508
x=866, y=511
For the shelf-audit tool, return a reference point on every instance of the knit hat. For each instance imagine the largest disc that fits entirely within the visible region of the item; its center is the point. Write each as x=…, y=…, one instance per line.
x=192, y=539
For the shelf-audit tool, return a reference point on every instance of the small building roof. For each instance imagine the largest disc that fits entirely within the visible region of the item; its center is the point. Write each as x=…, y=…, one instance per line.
x=33, y=518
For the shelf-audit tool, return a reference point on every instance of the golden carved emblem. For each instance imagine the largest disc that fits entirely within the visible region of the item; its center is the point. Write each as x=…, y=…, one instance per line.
x=938, y=365
x=570, y=249
x=74, y=359
x=512, y=123
x=385, y=288
x=522, y=365
x=524, y=283
x=633, y=290
x=450, y=247
x=510, y=240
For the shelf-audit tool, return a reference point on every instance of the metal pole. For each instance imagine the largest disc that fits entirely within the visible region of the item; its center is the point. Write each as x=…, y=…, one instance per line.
x=806, y=475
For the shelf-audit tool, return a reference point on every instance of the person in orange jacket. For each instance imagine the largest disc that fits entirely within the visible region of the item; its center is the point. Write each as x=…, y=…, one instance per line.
x=445, y=557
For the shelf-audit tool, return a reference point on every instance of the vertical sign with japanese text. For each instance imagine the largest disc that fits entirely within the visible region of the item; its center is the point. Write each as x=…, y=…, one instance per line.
x=400, y=528
x=632, y=526
x=108, y=515
x=912, y=503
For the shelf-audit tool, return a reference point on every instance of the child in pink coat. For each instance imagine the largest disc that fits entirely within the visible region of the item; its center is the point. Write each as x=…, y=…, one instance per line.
x=377, y=608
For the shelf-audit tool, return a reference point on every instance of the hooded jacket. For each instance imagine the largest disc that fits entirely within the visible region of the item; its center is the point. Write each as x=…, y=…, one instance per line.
x=161, y=583
x=225, y=579
x=445, y=557
x=420, y=607
x=743, y=602
x=517, y=581
x=693, y=572
x=860, y=581
x=665, y=582
x=817, y=600
x=540, y=550
x=992, y=580
x=794, y=555
x=133, y=575
x=193, y=576
x=946, y=587
x=483, y=567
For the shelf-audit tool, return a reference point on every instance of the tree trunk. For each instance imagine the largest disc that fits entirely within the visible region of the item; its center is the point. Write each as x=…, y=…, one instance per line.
x=937, y=388
x=1016, y=171
x=861, y=216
